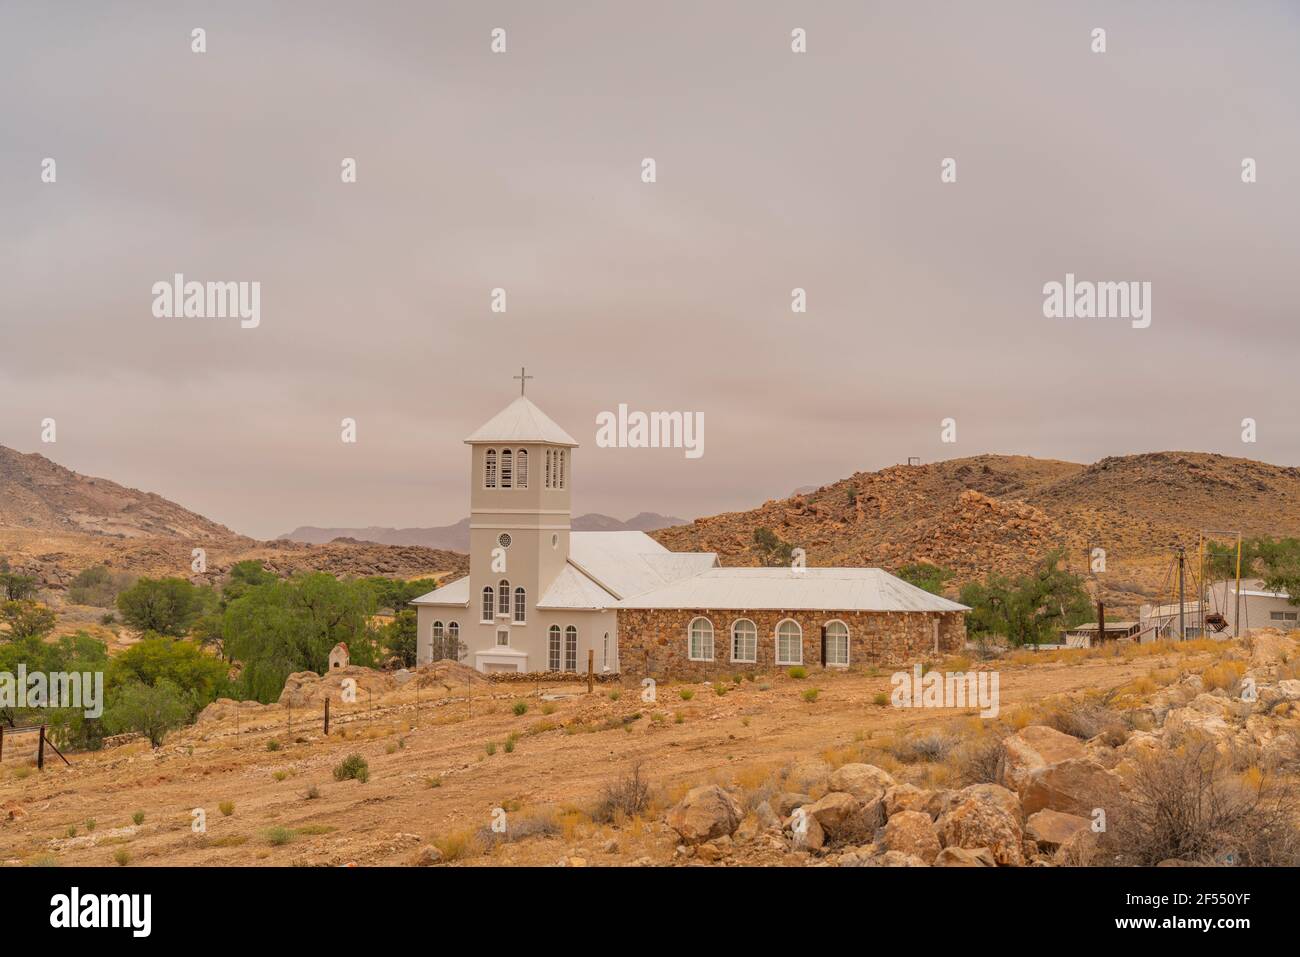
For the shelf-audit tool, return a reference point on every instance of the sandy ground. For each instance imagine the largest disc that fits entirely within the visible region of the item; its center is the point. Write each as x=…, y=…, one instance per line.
x=431, y=774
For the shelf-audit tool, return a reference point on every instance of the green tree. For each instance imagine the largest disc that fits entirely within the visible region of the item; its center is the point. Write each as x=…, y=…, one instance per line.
x=98, y=586
x=398, y=637
x=80, y=653
x=27, y=618
x=17, y=587
x=200, y=676
x=151, y=710
x=243, y=576
x=168, y=606
x=1030, y=608
x=772, y=550
x=924, y=575
x=281, y=627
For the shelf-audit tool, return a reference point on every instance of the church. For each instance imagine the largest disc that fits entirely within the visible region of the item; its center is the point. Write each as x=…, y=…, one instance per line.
x=540, y=597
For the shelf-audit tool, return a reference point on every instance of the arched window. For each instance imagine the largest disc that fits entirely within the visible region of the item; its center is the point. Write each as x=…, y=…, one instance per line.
x=453, y=637
x=503, y=597
x=437, y=631
x=521, y=469
x=789, y=643
x=560, y=474
x=837, y=643
x=553, y=643
x=487, y=603
x=507, y=468
x=604, y=658
x=571, y=648
x=520, y=604
x=700, y=639
x=744, y=641
x=547, y=476
x=490, y=468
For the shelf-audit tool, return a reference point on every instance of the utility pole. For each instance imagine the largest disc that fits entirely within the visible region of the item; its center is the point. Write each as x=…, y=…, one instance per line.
x=1182, y=604
x=1236, y=606
x=1101, y=621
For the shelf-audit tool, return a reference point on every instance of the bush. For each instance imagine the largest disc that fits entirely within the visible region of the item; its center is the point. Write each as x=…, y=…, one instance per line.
x=273, y=745
x=798, y=671
x=227, y=808
x=150, y=711
x=810, y=695
x=978, y=761
x=168, y=606
x=933, y=746
x=122, y=856
x=353, y=767
x=520, y=708
x=880, y=700
x=1186, y=804
x=626, y=797
x=686, y=693
x=138, y=818
x=98, y=586
x=276, y=836
x=1086, y=719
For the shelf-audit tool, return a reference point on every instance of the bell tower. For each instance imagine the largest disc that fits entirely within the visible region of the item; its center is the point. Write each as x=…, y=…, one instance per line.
x=521, y=473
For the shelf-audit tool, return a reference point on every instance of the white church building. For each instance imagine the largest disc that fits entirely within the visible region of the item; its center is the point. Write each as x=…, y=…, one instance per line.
x=541, y=597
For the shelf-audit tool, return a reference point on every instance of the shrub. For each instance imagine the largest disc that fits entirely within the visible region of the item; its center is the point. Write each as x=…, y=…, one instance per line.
x=720, y=689
x=227, y=808
x=926, y=746
x=433, y=782
x=491, y=748
x=138, y=818
x=798, y=671
x=626, y=797
x=978, y=761
x=548, y=708
x=280, y=775
x=686, y=693
x=1186, y=804
x=520, y=708
x=312, y=793
x=1086, y=719
x=122, y=856
x=880, y=700
x=509, y=746
x=276, y=836
x=354, y=766
x=810, y=695
x=615, y=694
x=273, y=745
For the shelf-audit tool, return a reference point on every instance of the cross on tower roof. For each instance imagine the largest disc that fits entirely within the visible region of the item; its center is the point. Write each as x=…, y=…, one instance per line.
x=523, y=379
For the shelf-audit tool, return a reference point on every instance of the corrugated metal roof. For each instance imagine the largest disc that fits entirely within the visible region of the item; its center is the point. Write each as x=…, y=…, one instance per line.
x=453, y=593
x=785, y=589
x=629, y=563
x=573, y=589
x=521, y=421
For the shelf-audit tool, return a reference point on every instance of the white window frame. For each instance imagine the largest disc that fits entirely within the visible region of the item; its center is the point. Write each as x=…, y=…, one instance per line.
x=571, y=648
x=753, y=637
x=503, y=633
x=798, y=636
x=507, y=468
x=503, y=597
x=690, y=639
x=554, y=648
x=520, y=606
x=490, y=468
x=848, y=644
x=437, y=630
x=488, y=605
x=521, y=469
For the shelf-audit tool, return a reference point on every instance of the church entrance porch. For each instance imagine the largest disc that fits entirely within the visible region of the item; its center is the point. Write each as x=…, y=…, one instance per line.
x=500, y=659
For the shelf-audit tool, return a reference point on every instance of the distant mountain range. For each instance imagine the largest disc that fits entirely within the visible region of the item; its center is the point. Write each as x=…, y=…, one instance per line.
x=456, y=537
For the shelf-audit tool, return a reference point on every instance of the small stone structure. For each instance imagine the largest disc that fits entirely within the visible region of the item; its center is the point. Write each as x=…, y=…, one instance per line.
x=339, y=656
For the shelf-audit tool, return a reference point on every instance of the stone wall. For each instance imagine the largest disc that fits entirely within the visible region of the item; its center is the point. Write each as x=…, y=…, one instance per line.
x=655, y=642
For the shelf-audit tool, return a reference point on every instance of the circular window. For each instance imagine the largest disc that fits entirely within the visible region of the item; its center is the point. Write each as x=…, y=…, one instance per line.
x=555, y=541
x=504, y=539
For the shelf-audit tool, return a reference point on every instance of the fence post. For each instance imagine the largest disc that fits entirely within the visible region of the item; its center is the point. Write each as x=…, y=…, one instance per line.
x=327, y=715
x=591, y=664
x=40, y=751
x=2, y=742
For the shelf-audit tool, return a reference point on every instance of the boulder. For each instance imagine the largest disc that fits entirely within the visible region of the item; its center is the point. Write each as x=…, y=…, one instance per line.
x=906, y=797
x=705, y=813
x=896, y=859
x=807, y=834
x=1032, y=748
x=1076, y=786
x=1051, y=828
x=965, y=857
x=833, y=810
x=766, y=816
x=1079, y=849
x=912, y=832
x=1289, y=689
x=1184, y=721
x=863, y=781
x=978, y=822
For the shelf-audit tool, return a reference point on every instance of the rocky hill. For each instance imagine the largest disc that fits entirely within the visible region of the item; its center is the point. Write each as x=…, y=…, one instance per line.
x=998, y=512
x=36, y=493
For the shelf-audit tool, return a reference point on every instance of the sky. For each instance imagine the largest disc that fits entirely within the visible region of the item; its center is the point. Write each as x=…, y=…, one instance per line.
x=523, y=171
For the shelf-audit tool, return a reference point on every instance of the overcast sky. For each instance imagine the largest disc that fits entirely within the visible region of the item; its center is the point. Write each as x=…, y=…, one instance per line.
x=522, y=170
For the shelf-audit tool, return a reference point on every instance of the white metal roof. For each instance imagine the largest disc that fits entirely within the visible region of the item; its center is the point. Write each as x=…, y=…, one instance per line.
x=810, y=589
x=521, y=421
x=453, y=593
x=629, y=563
x=573, y=589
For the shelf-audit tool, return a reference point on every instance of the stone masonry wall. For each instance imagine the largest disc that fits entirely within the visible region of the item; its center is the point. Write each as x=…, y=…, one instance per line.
x=655, y=642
